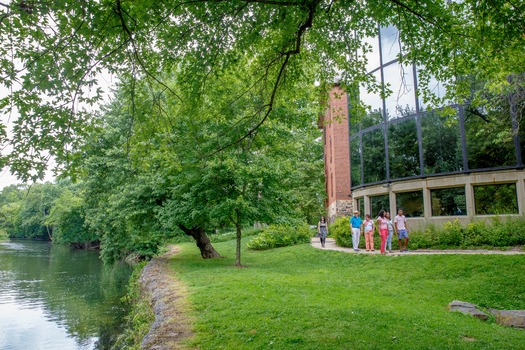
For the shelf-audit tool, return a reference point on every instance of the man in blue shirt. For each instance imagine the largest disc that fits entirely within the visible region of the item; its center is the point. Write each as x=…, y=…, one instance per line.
x=355, y=226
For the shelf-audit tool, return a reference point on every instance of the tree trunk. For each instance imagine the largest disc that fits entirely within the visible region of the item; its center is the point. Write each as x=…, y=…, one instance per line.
x=202, y=240
x=239, y=236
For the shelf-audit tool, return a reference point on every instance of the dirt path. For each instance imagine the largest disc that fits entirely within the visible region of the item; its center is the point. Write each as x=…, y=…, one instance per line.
x=330, y=245
x=168, y=297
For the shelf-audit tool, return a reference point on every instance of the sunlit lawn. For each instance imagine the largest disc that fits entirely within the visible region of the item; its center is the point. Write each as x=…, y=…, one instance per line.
x=305, y=298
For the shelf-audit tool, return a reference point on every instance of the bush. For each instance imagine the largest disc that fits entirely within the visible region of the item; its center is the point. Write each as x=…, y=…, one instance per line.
x=340, y=230
x=498, y=233
x=275, y=236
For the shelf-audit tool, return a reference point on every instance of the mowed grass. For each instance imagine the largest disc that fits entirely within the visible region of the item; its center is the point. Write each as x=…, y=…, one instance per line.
x=305, y=298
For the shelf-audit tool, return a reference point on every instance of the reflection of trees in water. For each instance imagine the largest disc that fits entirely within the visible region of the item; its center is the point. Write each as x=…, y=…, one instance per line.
x=74, y=287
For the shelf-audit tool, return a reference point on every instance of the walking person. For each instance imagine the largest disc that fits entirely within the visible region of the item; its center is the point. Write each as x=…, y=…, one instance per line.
x=400, y=223
x=382, y=226
x=355, y=228
x=368, y=227
x=322, y=230
x=391, y=231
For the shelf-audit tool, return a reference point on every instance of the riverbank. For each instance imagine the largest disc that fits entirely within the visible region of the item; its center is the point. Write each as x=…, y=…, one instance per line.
x=168, y=298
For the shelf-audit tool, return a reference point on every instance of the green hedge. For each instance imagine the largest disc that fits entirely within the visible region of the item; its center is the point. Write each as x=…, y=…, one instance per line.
x=275, y=236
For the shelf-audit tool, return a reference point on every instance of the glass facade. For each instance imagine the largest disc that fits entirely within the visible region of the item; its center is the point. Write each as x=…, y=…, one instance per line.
x=374, y=162
x=397, y=136
x=496, y=199
x=411, y=203
x=361, y=207
x=441, y=138
x=448, y=201
x=403, y=153
x=378, y=203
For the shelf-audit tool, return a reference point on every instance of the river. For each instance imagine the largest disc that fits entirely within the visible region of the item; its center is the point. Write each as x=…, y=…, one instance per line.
x=55, y=298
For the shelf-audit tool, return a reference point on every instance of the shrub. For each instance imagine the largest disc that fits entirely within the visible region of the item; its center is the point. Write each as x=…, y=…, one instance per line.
x=275, y=236
x=452, y=234
x=425, y=239
x=498, y=233
x=340, y=230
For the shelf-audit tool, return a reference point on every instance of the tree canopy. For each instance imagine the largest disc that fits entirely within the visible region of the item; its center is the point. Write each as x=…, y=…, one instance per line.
x=53, y=55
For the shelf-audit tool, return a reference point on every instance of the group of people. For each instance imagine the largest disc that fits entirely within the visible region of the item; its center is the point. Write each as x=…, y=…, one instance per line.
x=386, y=228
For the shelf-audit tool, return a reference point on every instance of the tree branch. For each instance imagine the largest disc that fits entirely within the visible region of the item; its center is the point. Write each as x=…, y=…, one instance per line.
x=312, y=6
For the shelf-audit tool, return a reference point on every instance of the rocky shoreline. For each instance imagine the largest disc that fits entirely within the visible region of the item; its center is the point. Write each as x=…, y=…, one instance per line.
x=168, y=298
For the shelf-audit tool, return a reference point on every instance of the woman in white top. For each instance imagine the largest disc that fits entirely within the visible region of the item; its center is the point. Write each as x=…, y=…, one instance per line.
x=368, y=226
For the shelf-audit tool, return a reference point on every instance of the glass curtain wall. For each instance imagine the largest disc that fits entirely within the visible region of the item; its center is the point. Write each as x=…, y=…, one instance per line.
x=421, y=142
x=378, y=203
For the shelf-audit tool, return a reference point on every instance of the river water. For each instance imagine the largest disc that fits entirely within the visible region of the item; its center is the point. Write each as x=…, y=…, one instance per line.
x=55, y=298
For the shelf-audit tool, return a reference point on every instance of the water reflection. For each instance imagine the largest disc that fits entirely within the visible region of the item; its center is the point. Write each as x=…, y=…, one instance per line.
x=52, y=297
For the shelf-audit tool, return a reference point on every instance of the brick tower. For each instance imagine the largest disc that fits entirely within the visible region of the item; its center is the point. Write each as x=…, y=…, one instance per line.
x=334, y=124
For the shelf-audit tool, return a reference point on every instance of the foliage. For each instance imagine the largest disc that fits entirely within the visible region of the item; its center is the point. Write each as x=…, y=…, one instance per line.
x=288, y=296
x=276, y=236
x=66, y=217
x=340, y=230
x=52, y=58
x=498, y=233
x=230, y=235
x=140, y=317
x=25, y=212
x=50, y=211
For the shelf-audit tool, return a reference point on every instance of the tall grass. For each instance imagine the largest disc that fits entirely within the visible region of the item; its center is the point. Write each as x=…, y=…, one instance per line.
x=300, y=297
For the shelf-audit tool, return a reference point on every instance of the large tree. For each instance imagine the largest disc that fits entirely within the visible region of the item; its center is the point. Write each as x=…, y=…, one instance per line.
x=52, y=55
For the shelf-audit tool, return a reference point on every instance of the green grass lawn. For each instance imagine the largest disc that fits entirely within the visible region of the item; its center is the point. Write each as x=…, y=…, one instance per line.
x=305, y=298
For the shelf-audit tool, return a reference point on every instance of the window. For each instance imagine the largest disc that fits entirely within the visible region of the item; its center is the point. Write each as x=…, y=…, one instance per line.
x=390, y=44
x=355, y=162
x=436, y=90
x=448, y=201
x=372, y=54
x=403, y=150
x=441, y=143
x=332, y=184
x=411, y=203
x=490, y=141
x=361, y=206
x=399, y=80
x=373, y=104
x=495, y=199
x=374, y=164
x=378, y=203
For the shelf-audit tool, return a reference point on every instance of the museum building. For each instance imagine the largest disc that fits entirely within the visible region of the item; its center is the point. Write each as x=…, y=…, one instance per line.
x=464, y=164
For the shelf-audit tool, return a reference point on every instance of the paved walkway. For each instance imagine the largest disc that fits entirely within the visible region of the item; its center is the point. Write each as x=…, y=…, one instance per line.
x=330, y=245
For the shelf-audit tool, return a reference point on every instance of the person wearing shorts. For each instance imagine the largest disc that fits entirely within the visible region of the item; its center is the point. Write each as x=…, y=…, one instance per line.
x=400, y=222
